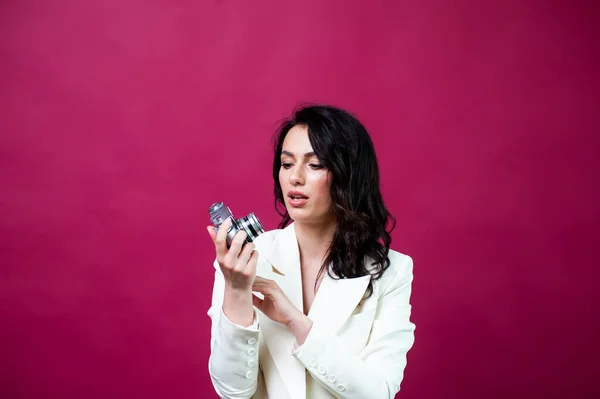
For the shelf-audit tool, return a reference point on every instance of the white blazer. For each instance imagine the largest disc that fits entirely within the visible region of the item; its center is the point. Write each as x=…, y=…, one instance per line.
x=356, y=348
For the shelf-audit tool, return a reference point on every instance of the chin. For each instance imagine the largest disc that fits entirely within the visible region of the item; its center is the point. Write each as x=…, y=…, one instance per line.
x=305, y=217
x=294, y=214
x=299, y=215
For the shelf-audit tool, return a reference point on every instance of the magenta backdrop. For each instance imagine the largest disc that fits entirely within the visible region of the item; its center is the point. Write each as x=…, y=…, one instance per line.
x=123, y=120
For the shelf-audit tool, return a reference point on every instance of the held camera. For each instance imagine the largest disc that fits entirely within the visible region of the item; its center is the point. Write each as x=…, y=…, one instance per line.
x=250, y=224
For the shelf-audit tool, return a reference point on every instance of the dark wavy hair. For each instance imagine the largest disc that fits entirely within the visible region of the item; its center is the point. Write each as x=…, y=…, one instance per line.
x=343, y=146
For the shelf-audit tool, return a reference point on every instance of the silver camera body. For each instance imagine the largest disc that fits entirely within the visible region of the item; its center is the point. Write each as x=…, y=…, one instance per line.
x=250, y=224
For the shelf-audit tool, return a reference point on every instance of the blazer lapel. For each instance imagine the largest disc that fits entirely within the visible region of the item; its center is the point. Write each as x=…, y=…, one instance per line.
x=333, y=304
x=284, y=259
x=336, y=300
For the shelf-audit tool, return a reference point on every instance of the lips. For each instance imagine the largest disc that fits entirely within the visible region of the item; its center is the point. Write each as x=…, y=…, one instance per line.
x=297, y=195
x=297, y=199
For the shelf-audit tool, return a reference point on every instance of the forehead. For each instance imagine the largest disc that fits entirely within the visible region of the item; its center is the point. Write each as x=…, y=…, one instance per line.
x=296, y=141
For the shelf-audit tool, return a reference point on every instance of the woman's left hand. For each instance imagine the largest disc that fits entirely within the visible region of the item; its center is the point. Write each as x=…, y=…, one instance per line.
x=277, y=307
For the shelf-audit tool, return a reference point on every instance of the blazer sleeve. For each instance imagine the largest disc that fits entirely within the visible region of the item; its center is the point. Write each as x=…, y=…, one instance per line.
x=233, y=362
x=377, y=371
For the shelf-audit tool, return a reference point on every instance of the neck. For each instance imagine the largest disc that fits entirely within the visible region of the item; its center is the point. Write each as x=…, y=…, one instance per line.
x=314, y=241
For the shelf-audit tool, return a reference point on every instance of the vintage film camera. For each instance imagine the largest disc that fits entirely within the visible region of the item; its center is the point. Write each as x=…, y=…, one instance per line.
x=250, y=223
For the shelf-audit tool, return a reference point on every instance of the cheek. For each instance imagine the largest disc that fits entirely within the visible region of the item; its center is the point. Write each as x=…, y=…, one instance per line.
x=322, y=184
x=283, y=179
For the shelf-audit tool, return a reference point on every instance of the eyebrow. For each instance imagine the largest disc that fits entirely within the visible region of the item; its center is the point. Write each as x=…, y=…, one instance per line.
x=291, y=154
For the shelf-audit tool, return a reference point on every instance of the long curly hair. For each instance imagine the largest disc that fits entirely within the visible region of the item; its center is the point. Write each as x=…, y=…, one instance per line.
x=343, y=146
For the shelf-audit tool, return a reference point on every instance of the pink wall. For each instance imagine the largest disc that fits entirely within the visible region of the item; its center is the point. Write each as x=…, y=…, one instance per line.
x=123, y=120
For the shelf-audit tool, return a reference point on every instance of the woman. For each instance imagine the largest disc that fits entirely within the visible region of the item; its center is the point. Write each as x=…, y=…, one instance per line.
x=331, y=317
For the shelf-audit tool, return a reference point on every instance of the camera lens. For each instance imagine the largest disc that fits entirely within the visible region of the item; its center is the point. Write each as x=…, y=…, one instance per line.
x=251, y=225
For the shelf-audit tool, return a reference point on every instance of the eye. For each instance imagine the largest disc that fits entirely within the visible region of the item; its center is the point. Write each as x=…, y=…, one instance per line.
x=316, y=166
x=286, y=165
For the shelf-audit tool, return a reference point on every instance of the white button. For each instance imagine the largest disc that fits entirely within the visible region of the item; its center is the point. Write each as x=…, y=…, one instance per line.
x=322, y=370
x=251, y=363
x=313, y=363
x=331, y=378
x=251, y=351
x=341, y=388
x=252, y=341
x=249, y=375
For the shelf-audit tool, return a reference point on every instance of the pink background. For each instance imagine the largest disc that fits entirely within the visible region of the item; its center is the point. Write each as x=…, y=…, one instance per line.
x=122, y=121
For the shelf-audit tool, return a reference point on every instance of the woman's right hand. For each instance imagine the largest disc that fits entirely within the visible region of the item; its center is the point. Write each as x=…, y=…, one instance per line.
x=237, y=264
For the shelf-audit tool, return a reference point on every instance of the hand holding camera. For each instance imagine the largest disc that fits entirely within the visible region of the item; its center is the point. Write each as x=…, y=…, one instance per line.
x=237, y=259
x=238, y=263
x=234, y=247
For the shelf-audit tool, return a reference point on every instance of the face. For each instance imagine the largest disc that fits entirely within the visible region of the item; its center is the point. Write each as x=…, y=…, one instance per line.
x=305, y=183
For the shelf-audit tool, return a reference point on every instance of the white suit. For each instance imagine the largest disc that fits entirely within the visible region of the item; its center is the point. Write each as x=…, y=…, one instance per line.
x=356, y=348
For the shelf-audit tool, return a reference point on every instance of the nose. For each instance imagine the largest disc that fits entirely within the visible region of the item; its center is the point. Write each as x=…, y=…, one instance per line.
x=296, y=176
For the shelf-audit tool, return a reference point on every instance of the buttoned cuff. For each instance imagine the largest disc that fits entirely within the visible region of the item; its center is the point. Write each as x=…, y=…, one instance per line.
x=238, y=349
x=313, y=354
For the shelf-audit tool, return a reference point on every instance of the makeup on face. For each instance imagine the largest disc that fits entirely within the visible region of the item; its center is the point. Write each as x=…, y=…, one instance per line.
x=304, y=181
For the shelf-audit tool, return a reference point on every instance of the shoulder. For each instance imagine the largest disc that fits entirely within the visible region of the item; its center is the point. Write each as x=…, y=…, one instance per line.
x=399, y=272
x=401, y=262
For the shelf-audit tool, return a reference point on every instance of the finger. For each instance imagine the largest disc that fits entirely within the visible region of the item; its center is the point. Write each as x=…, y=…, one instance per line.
x=223, y=229
x=242, y=261
x=212, y=233
x=236, y=247
x=251, y=266
x=264, y=285
x=256, y=301
x=260, y=279
x=221, y=239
